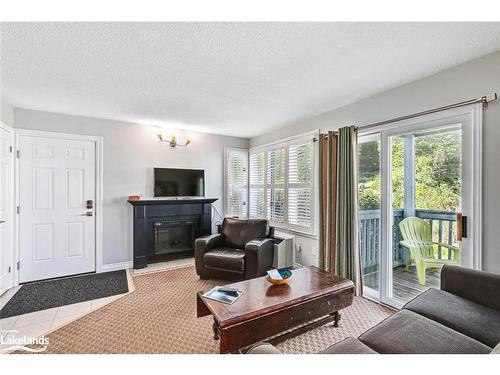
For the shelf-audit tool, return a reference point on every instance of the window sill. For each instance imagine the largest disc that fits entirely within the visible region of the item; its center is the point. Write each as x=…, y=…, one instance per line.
x=297, y=232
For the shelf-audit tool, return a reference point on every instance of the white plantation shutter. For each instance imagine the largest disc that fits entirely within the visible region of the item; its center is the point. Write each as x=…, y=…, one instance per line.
x=236, y=182
x=275, y=191
x=257, y=204
x=282, y=184
x=300, y=184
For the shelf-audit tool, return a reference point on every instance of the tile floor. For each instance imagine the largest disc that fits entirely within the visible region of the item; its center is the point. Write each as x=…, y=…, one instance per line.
x=41, y=322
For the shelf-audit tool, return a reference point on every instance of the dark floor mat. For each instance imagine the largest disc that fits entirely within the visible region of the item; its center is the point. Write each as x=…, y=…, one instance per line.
x=43, y=295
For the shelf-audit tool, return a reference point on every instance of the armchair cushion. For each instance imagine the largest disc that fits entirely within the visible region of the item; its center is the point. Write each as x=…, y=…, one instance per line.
x=225, y=258
x=237, y=233
x=472, y=319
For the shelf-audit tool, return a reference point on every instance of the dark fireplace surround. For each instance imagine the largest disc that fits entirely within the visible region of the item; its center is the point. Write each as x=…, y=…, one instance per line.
x=165, y=229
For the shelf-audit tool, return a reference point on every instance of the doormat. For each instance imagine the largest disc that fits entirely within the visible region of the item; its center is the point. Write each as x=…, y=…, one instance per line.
x=47, y=294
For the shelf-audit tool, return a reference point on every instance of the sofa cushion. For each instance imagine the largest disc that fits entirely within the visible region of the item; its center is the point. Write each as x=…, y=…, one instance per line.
x=410, y=333
x=237, y=233
x=263, y=348
x=472, y=319
x=477, y=286
x=496, y=349
x=225, y=258
x=348, y=346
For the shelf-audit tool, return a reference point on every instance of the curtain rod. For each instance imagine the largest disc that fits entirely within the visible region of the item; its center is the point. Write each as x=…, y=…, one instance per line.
x=483, y=99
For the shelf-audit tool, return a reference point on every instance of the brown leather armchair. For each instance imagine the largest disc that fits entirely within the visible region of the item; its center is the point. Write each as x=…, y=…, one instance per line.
x=243, y=249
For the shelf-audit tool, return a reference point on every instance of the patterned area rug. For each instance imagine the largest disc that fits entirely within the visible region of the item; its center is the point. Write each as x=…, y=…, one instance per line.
x=160, y=317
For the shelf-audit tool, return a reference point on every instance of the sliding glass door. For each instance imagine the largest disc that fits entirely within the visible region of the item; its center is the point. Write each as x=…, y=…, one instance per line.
x=369, y=212
x=418, y=204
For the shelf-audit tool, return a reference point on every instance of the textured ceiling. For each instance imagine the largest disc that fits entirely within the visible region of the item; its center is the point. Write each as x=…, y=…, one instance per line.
x=238, y=79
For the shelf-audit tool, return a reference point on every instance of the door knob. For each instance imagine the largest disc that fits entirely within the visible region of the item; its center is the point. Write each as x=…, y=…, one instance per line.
x=87, y=214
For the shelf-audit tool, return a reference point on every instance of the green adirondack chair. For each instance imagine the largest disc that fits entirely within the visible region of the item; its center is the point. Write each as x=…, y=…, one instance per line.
x=418, y=240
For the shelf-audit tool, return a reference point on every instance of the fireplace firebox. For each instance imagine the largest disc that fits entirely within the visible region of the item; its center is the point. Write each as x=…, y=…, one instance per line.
x=173, y=237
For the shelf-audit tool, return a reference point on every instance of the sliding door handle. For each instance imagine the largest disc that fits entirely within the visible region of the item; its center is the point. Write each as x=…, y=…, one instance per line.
x=461, y=226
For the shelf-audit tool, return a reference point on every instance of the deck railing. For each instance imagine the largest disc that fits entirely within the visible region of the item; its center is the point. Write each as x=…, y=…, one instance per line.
x=443, y=226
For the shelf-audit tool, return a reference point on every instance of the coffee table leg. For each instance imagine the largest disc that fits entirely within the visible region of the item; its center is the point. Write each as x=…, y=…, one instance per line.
x=336, y=320
x=216, y=329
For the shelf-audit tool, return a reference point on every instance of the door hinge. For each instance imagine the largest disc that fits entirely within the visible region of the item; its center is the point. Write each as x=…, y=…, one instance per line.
x=18, y=154
x=10, y=269
x=18, y=210
x=18, y=265
x=10, y=149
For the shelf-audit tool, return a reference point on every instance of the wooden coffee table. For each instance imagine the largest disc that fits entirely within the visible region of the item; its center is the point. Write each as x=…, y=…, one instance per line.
x=277, y=312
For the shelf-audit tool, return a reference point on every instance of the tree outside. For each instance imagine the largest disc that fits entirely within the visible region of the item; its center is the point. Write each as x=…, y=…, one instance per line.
x=437, y=175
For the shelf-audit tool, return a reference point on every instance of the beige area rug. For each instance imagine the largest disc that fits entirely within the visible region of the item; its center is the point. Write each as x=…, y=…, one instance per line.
x=160, y=317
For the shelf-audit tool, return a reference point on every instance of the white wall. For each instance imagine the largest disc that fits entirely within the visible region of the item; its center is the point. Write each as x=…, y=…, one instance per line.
x=7, y=112
x=130, y=153
x=466, y=81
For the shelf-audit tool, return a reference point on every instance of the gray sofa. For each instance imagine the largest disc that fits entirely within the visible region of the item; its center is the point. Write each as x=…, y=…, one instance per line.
x=462, y=317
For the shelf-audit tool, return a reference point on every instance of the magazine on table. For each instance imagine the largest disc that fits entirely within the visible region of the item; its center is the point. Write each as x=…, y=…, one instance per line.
x=223, y=294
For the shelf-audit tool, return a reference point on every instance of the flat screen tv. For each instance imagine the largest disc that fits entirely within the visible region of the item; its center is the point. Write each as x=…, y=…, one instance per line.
x=172, y=182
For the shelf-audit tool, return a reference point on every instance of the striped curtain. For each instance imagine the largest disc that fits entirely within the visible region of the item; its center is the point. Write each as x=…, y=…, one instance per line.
x=339, y=243
x=328, y=199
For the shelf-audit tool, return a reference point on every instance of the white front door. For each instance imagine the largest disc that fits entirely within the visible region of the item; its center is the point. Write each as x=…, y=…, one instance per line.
x=6, y=222
x=56, y=207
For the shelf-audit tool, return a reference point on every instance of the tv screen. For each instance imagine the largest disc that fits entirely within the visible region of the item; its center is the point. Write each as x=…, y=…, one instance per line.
x=170, y=182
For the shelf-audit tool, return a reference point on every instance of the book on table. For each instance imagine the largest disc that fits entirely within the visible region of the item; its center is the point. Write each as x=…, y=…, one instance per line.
x=223, y=294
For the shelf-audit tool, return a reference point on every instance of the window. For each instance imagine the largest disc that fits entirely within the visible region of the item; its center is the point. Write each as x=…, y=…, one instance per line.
x=236, y=182
x=257, y=206
x=300, y=184
x=282, y=184
x=275, y=189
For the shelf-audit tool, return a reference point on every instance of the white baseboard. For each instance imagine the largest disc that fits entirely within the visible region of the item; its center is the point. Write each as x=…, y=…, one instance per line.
x=116, y=266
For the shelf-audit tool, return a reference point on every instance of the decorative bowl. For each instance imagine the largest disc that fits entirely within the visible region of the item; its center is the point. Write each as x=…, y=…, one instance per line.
x=285, y=273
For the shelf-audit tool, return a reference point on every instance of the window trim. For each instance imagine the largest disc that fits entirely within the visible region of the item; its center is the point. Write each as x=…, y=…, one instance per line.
x=246, y=211
x=313, y=136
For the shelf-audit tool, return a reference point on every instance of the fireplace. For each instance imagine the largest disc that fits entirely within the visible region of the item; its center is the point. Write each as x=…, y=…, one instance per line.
x=173, y=237
x=166, y=229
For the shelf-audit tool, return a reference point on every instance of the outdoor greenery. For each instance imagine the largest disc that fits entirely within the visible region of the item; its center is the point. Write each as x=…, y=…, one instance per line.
x=437, y=175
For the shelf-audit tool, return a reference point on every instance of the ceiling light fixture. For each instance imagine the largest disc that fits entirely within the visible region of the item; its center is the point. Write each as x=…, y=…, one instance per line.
x=172, y=141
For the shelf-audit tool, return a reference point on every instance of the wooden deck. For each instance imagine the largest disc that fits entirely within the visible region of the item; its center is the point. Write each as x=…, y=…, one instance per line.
x=406, y=285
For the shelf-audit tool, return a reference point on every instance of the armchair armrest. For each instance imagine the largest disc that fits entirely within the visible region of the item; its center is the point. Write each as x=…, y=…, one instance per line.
x=208, y=242
x=455, y=250
x=201, y=246
x=476, y=286
x=414, y=244
x=451, y=247
x=259, y=256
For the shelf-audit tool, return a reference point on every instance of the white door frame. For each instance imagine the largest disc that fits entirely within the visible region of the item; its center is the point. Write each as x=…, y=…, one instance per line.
x=10, y=201
x=473, y=114
x=99, y=141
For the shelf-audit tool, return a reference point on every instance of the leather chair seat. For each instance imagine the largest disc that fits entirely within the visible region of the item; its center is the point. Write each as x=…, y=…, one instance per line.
x=225, y=258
